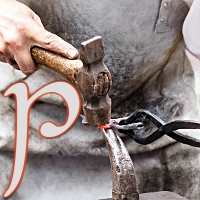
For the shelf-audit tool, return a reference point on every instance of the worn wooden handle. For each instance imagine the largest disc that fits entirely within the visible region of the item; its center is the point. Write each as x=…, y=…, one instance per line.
x=67, y=68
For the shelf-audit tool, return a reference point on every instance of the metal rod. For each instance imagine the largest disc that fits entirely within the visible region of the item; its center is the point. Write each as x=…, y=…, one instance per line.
x=123, y=173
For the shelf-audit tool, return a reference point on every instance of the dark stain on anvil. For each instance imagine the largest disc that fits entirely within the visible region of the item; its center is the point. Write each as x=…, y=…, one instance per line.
x=157, y=196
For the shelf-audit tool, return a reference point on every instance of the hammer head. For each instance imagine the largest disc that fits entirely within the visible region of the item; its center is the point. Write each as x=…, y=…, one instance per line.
x=94, y=82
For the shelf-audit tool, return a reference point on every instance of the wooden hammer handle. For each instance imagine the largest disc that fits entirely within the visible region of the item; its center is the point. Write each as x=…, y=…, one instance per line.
x=67, y=68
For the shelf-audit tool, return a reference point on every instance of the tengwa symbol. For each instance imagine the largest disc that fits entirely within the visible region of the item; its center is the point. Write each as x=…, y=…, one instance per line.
x=24, y=102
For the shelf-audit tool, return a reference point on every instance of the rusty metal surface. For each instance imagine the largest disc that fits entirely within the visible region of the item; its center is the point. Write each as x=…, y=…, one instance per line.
x=91, y=76
x=164, y=195
x=124, y=186
x=95, y=82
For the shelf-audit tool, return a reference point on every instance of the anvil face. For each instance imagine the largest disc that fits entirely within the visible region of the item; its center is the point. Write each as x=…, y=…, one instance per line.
x=164, y=195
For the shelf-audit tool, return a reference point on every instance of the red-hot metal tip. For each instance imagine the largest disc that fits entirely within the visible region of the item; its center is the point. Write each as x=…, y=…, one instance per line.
x=104, y=126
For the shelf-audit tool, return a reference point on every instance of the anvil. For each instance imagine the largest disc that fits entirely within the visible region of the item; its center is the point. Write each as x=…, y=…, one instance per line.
x=124, y=185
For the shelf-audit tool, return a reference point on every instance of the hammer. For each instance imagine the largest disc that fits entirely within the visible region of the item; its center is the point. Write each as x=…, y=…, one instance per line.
x=88, y=73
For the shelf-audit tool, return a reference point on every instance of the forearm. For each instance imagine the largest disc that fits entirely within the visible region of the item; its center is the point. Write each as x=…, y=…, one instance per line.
x=191, y=29
x=188, y=2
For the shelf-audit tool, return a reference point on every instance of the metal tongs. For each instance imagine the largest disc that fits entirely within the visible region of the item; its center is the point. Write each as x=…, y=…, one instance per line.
x=134, y=127
x=124, y=185
x=169, y=129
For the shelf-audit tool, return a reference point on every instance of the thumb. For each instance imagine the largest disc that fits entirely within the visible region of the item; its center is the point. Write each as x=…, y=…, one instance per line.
x=54, y=43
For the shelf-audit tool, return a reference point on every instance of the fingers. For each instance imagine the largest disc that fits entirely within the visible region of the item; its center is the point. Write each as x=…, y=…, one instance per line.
x=2, y=49
x=37, y=19
x=17, y=55
x=25, y=62
x=22, y=61
x=54, y=43
x=10, y=60
x=2, y=59
x=7, y=57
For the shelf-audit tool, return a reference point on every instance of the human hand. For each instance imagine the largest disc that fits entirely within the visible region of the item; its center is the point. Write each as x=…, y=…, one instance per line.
x=20, y=30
